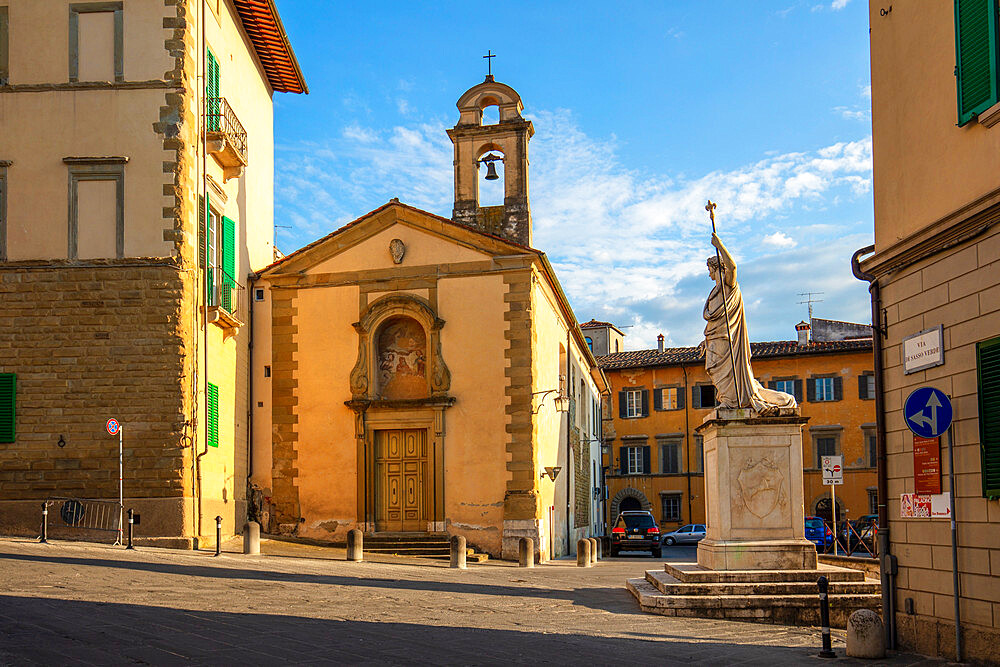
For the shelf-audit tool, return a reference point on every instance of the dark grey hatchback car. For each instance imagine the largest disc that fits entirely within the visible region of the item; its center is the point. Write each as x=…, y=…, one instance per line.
x=636, y=531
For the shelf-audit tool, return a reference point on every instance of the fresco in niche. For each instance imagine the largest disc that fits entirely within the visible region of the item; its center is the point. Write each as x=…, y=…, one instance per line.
x=402, y=359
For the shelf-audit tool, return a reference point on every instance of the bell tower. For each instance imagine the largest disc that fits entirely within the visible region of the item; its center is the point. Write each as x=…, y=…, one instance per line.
x=506, y=140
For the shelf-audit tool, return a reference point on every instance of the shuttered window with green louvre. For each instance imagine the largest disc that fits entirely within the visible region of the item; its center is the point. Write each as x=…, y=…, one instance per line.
x=975, y=56
x=212, y=93
x=988, y=366
x=213, y=415
x=8, y=391
x=228, y=281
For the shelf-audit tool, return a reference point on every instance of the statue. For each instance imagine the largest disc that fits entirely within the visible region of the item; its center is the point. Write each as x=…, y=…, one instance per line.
x=727, y=345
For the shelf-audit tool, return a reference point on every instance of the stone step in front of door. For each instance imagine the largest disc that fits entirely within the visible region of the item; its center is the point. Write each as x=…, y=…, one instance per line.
x=669, y=585
x=692, y=573
x=777, y=609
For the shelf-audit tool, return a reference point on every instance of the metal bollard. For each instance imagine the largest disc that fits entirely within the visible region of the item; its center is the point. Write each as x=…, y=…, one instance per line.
x=44, y=539
x=526, y=552
x=218, y=536
x=583, y=553
x=251, y=538
x=824, y=618
x=131, y=522
x=458, y=552
x=593, y=549
x=355, y=545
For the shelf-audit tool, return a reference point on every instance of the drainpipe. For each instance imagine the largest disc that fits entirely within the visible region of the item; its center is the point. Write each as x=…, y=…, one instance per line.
x=888, y=565
x=569, y=457
x=250, y=281
x=687, y=443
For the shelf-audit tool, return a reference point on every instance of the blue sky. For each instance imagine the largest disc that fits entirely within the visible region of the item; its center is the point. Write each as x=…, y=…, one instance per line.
x=642, y=111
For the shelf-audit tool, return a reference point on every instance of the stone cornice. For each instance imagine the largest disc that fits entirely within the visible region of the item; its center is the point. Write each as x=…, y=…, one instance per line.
x=152, y=84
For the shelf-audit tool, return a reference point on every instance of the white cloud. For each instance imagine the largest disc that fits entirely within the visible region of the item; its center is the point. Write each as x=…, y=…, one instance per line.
x=779, y=240
x=853, y=114
x=837, y=5
x=628, y=247
x=866, y=91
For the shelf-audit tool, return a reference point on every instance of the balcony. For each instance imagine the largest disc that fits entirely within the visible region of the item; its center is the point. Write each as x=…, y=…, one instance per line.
x=227, y=301
x=225, y=138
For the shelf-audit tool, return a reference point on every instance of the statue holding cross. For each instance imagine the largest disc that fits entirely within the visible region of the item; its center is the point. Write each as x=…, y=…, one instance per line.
x=727, y=343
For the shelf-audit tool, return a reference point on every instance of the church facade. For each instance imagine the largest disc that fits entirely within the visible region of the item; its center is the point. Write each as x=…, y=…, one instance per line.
x=419, y=374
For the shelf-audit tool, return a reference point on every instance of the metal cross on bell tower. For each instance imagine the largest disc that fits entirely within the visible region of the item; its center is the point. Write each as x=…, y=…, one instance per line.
x=489, y=64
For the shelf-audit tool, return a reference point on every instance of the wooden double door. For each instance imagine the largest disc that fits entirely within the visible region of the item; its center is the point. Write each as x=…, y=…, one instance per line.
x=400, y=478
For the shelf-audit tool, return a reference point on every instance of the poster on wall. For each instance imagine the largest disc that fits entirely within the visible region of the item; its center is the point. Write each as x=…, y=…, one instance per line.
x=924, y=506
x=927, y=465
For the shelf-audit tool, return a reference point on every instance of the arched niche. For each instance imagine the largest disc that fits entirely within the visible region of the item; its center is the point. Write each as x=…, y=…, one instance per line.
x=398, y=334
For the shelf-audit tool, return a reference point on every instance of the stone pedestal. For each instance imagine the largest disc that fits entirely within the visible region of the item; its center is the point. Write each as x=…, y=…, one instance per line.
x=753, y=493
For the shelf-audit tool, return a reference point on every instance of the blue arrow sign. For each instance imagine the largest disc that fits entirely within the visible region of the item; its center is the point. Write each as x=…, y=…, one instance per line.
x=928, y=412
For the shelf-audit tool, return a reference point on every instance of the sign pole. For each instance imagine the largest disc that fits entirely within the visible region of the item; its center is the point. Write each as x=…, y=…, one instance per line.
x=954, y=543
x=121, y=483
x=833, y=510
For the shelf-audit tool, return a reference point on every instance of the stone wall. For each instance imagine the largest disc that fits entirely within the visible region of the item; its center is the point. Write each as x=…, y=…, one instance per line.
x=87, y=344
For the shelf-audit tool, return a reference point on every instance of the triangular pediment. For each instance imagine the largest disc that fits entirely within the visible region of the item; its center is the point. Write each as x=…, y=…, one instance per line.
x=367, y=244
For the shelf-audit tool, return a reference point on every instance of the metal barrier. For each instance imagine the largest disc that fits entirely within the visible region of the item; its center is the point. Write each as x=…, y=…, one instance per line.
x=85, y=514
x=851, y=541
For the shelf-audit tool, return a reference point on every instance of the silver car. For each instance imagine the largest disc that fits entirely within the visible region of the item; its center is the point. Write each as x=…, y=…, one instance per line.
x=689, y=534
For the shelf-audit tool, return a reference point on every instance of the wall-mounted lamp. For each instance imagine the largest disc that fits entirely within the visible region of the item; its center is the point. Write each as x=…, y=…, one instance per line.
x=551, y=472
x=561, y=402
x=62, y=441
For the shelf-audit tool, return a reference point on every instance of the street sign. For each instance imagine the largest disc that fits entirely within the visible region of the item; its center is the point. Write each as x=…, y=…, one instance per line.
x=113, y=426
x=833, y=470
x=928, y=412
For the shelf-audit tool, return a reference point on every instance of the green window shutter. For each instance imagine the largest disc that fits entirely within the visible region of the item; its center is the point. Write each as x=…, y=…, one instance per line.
x=988, y=367
x=212, y=93
x=202, y=229
x=976, y=57
x=213, y=414
x=229, y=247
x=8, y=390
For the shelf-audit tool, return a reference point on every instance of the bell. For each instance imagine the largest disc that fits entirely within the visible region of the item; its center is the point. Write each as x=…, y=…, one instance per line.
x=491, y=172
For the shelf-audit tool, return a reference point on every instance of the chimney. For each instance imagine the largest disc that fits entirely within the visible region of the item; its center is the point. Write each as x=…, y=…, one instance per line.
x=803, y=329
x=659, y=343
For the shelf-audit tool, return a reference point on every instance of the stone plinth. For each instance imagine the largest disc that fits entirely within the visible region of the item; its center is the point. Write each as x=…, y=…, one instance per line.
x=753, y=493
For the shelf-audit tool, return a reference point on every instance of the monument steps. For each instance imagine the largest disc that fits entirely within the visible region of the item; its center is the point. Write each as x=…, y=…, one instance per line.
x=669, y=585
x=692, y=573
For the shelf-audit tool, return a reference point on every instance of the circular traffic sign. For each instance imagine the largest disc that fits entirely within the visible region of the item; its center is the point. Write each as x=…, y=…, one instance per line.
x=927, y=412
x=113, y=426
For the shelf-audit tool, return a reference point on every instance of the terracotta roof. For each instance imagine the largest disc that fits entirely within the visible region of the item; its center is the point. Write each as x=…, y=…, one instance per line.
x=391, y=202
x=677, y=356
x=594, y=323
x=263, y=27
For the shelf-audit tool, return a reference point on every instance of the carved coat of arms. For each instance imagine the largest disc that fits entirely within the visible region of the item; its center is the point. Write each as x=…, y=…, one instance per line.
x=760, y=486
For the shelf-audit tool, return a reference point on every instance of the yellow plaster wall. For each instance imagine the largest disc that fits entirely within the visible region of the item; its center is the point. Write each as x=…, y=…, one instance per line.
x=472, y=342
x=422, y=248
x=914, y=103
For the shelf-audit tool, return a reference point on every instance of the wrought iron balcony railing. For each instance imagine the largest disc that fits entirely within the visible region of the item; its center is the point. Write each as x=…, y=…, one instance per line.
x=228, y=296
x=221, y=119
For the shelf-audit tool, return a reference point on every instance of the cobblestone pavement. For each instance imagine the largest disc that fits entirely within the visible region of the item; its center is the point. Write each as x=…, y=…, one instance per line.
x=77, y=603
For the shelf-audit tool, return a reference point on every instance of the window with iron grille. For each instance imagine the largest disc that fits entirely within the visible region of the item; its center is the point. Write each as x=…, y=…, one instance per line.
x=872, y=501
x=670, y=507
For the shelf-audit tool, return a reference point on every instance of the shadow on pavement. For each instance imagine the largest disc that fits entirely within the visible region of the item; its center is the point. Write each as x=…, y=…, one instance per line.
x=53, y=631
x=616, y=600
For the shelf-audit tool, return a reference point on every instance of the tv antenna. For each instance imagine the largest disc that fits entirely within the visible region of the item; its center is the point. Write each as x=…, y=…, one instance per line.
x=810, y=301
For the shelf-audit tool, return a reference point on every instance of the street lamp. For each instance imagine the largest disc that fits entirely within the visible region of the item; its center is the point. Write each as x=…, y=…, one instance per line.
x=561, y=402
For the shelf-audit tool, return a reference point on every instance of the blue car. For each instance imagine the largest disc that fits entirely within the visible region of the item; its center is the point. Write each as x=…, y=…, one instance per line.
x=819, y=534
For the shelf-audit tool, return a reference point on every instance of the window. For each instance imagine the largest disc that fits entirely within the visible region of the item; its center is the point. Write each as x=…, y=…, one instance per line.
x=96, y=41
x=8, y=392
x=871, y=448
x=791, y=386
x=671, y=507
x=3, y=204
x=824, y=389
x=219, y=244
x=617, y=346
x=634, y=460
x=590, y=342
x=267, y=371
x=988, y=366
x=258, y=294
x=866, y=386
x=825, y=446
x=96, y=207
x=212, y=398
x=670, y=456
x=4, y=57
x=633, y=403
x=699, y=443
x=872, y=501
x=668, y=398
x=213, y=104
x=976, y=56
x=703, y=396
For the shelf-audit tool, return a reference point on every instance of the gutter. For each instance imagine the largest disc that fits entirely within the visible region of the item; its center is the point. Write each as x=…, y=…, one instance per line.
x=888, y=561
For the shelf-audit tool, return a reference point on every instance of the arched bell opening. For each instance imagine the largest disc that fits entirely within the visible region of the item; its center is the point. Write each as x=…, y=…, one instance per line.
x=490, y=110
x=492, y=182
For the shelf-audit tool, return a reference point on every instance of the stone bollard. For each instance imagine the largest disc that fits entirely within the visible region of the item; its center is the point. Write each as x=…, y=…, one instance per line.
x=583, y=553
x=355, y=545
x=865, y=635
x=458, y=552
x=600, y=548
x=251, y=538
x=526, y=552
x=593, y=549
